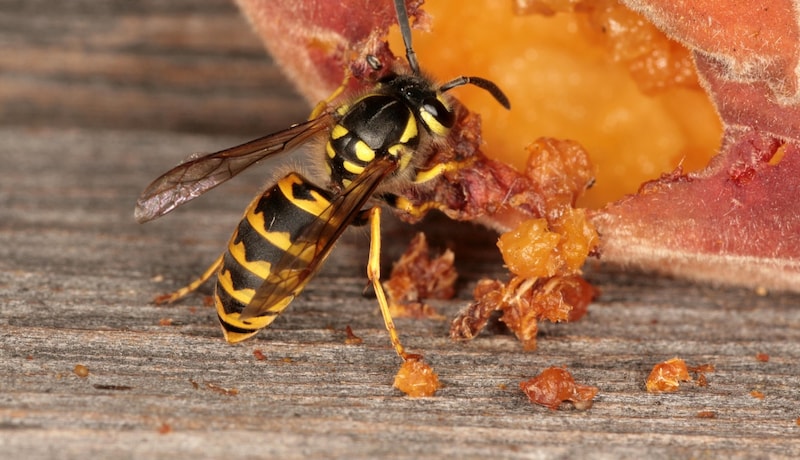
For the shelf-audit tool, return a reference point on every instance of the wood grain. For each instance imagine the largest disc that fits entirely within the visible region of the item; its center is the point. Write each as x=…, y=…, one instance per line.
x=99, y=98
x=180, y=66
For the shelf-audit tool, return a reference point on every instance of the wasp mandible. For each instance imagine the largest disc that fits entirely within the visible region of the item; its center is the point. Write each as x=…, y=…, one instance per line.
x=376, y=144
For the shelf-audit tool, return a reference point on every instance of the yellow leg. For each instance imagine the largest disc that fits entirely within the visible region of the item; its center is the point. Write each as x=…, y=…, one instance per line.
x=374, y=275
x=422, y=176
x=323, y=105
x=416, y=210
x=191, y=287
x=425, y=175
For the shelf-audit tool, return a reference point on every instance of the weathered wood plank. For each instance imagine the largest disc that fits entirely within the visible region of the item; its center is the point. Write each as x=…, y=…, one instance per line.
x=182, y=65
x=77, y=274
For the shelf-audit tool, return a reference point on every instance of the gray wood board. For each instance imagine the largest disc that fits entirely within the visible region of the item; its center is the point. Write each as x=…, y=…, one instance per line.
x=98, y=98
x=77, y=274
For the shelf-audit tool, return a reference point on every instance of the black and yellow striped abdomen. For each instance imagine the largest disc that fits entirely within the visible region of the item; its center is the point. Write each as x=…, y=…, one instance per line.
x=270, y=225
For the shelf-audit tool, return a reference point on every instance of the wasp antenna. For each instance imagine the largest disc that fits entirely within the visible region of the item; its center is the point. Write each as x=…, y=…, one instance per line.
x=482, y=83
x=405, y=31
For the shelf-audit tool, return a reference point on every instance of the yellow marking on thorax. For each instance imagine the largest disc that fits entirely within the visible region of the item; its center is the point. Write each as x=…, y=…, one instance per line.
x=363, y=152
x=403, y=155
x=410, y=130
x=352, y=167
x=338, y=131
x=260, y=268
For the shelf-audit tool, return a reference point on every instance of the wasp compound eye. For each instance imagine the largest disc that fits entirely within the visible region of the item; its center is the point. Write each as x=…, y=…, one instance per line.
x=434, y=110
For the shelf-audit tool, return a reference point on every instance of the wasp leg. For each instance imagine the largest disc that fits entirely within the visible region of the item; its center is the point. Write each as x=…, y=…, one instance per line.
x=191, y=287
x=422, y=176
x=324, y=104
x=374, y=275
x=416, y=211
x=425, y=175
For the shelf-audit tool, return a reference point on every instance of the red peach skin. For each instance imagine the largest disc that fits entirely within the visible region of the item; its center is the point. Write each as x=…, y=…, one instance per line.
x=737, y=221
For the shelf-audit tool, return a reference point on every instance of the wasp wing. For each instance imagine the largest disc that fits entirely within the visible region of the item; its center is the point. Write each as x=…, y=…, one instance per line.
x=312, y=246
x=198, y=174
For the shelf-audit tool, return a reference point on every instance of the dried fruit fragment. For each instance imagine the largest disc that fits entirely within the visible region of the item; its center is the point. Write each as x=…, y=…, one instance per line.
x=545, y=260
x=700, y=373
x=556, y=385
x=530, y=250
x=545, y=252
x=666, y=376
x=416, y=277
x=416, y=378
x=81, y=371
x=351, y=338
x=259, y=355
x=523, y=302
x=222, y=390
x=540, y=249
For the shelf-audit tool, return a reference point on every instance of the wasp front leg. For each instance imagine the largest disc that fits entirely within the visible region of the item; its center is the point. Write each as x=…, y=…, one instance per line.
x=323, y=105
x=419, y=210
x=426, y=175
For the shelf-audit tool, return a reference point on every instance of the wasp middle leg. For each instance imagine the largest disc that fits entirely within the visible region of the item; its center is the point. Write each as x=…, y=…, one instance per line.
x=374, y=275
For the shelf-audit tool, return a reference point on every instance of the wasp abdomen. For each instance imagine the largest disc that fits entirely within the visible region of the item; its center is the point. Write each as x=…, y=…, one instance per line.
x=270, y=225
x=373, y=126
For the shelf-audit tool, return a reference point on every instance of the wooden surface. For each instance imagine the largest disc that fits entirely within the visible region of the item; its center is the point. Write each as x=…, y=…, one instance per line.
x=98, y=98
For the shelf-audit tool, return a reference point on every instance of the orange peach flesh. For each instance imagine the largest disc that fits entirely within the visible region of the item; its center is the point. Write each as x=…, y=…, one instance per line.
x=564, y=84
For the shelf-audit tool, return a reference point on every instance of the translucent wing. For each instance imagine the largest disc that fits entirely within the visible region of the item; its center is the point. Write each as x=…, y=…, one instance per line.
x=198, y=174
x=309, y=250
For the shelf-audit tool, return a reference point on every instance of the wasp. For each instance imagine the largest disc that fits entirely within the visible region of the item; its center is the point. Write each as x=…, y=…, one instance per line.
x=375, y=144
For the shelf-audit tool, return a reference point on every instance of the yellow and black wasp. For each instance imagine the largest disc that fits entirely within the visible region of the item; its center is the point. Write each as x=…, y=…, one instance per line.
x=378, y=143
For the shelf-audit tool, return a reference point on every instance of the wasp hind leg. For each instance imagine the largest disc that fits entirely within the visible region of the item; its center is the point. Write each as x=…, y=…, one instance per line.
x=374, y=275
x=191, y=287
